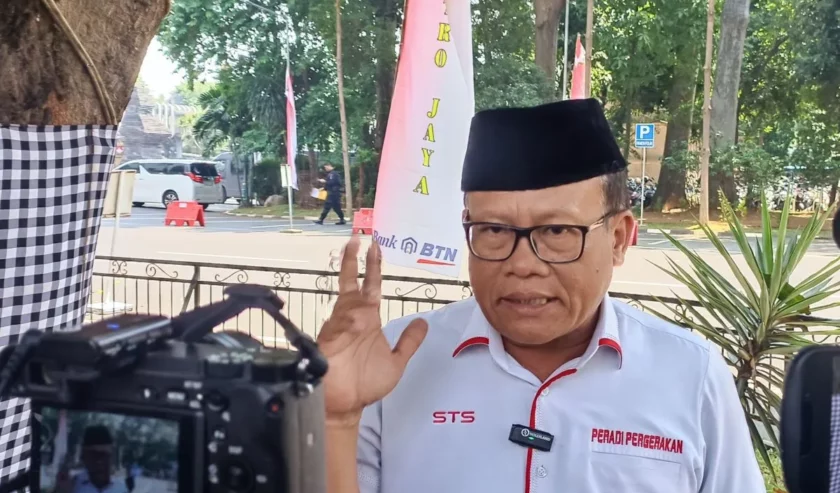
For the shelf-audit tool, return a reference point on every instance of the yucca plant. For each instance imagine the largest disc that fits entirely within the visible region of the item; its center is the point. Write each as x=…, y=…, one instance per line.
x=761, y=318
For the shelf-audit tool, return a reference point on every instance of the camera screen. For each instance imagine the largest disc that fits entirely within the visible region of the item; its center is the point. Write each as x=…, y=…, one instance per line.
x=84, y=451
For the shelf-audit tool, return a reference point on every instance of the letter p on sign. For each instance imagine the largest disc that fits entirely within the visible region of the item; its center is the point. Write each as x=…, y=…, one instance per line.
x=645, y=135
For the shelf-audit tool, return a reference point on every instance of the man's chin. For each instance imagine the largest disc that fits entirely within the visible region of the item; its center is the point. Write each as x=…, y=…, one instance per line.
x=532, y=332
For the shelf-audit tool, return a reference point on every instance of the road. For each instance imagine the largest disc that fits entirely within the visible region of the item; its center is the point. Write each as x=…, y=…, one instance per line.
x=222, y=241
x=260, y=243
x=217, y=221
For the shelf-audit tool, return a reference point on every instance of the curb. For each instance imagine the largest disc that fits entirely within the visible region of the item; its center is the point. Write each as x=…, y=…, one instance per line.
x=296, y=218
x=696, y=232
x=723, y=234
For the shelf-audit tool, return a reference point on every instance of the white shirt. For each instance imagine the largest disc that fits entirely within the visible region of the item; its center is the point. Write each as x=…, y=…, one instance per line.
x=648, y=408
x=82, y=484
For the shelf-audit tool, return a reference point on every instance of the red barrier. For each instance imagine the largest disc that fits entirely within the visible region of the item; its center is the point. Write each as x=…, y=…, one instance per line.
x=363, y=221
x=184, y=214
x=634, y=237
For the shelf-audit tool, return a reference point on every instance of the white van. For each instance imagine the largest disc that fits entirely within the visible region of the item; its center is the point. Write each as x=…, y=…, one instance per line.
x=167, y=180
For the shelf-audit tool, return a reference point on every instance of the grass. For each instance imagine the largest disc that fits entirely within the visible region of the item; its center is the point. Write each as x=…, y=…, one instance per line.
x=277, y=211
x=776, y=485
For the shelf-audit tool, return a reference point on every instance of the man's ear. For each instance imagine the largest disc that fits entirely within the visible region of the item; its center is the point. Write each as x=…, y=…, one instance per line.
x=623, y=225
x=465, y=215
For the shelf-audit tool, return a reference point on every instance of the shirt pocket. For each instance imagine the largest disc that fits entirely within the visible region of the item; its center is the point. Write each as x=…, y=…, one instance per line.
x=624, y=469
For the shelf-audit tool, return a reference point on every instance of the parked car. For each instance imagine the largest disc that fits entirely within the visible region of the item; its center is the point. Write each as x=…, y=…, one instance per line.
x=167, y=180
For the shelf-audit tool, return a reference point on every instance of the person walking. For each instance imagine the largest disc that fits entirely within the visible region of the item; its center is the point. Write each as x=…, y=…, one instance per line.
x=333, y=186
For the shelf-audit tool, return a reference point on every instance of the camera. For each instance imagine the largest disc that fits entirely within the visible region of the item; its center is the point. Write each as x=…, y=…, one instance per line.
x=147, y=403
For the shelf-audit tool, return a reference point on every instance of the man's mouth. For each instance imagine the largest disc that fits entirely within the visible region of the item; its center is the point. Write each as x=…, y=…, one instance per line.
x=528, y=301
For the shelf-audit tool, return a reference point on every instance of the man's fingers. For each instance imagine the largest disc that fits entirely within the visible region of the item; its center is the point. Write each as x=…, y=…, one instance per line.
x=372, y=285
x=410, y=340
x=349, y=273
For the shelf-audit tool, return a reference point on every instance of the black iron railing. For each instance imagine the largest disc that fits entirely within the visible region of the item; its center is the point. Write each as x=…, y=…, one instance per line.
x=165, y=287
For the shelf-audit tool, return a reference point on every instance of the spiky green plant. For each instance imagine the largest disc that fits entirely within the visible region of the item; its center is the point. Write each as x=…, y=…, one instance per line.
x=762, y=317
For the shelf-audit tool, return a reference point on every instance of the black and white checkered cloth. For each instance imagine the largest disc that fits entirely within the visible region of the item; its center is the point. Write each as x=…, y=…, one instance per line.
x=834, y=455
x=52, y=190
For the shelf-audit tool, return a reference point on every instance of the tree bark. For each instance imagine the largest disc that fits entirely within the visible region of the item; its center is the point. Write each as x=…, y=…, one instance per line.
x=339, y=62
x=548, y=13
x=733, y=32
x=386, y=67
x=590, y=33
x=670, y=190
x=43, y=80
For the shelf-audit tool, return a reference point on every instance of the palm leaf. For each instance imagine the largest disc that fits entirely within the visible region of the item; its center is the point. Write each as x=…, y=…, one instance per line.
x=757, y=316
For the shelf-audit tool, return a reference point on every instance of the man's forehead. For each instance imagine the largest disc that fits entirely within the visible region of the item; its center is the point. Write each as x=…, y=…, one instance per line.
x=550, y=205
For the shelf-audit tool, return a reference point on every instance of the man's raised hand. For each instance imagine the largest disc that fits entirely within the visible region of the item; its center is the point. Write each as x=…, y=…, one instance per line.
x=363, y=367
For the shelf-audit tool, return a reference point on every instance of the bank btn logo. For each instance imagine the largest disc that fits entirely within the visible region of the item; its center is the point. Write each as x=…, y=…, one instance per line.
x=409, y=245
x=429, y=253
x=525, y=432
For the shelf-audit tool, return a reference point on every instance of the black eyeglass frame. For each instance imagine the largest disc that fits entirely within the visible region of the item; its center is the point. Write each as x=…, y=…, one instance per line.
x=528, y=233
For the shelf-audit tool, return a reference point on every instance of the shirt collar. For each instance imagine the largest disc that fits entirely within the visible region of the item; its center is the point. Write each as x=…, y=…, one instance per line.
x=478, y=332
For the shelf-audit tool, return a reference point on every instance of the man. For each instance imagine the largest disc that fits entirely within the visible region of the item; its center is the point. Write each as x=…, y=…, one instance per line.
x=333, y=186
x=97, y=457
x=541, y=382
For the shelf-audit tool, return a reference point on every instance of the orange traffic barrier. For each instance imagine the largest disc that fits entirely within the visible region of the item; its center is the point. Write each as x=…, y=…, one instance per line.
x=634, y=236
x=363, y=221
x=184, y=214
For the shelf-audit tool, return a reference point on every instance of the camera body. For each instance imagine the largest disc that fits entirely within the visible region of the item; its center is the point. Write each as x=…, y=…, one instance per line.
x=247, y=419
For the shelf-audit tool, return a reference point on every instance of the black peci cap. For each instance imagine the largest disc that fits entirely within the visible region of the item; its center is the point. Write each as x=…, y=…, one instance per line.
x=514, y=149
x=97, y=435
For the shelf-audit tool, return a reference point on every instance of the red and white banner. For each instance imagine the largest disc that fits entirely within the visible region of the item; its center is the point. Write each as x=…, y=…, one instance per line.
x=291, y=129
x=417, y=217
x=579, y=72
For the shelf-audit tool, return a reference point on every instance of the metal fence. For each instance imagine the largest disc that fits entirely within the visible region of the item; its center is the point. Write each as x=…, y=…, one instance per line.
x=164, y=287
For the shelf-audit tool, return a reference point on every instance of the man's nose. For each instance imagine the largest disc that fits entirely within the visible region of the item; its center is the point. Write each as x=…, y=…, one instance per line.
x=524, y=261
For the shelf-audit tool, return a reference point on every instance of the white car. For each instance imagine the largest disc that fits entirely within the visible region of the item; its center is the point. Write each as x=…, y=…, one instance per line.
x=167, y=180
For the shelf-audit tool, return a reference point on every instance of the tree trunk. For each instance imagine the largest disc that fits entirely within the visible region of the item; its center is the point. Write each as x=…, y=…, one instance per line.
x=387, y=22
x=360, y=187
x=43, y=79
x=733, y=32
x=628, y=121
x=670, y=190
x=590, y=33
x=548, y=13
x=339, y=62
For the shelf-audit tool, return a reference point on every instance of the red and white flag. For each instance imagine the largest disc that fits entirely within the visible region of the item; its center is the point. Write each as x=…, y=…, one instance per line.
x=579, y=72
x=291, y=129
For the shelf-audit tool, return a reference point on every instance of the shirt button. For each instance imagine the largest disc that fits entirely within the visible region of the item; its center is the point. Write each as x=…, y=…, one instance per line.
x=542, y=472
x=545, y=392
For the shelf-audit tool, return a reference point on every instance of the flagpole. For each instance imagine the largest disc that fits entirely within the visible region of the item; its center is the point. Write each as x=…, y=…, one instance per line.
x=289, y=193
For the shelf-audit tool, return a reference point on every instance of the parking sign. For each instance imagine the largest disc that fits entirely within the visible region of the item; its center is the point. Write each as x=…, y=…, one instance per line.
x=645, y=135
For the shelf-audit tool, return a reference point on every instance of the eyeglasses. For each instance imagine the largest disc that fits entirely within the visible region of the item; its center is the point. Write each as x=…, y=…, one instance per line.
x=552, y=243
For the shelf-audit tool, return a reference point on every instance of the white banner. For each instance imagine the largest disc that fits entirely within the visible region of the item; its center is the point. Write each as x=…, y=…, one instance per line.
x=417, y=217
